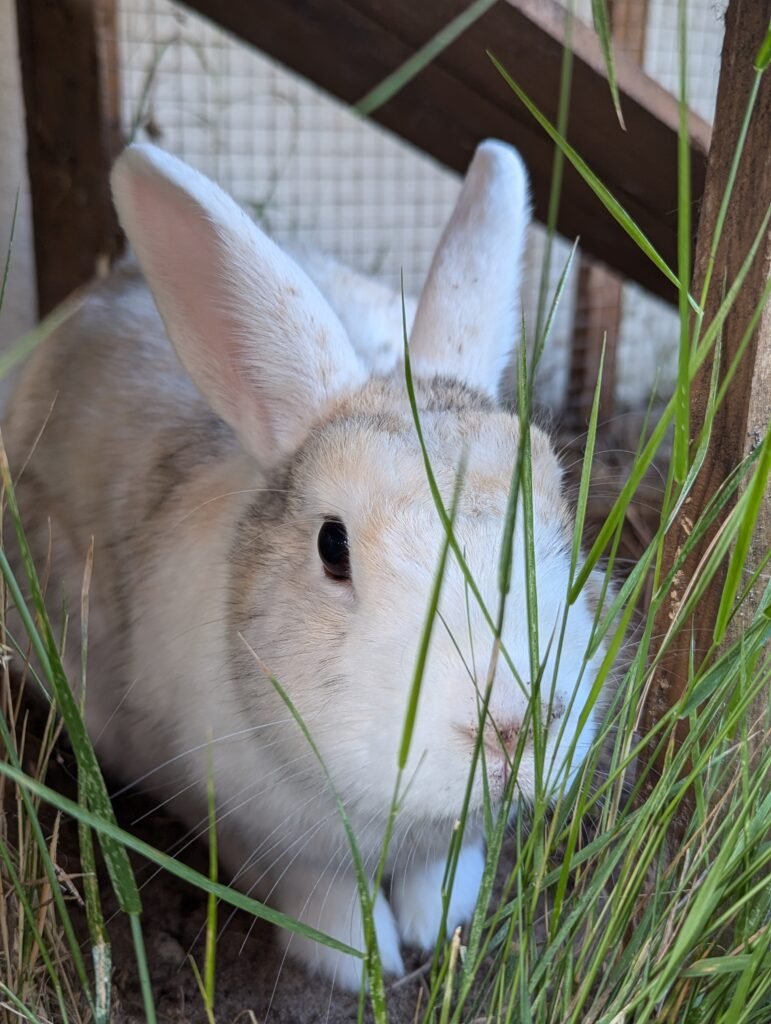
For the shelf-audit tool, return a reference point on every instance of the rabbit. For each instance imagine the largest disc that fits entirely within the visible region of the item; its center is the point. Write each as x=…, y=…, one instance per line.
x=259, y=506
x=373, y=315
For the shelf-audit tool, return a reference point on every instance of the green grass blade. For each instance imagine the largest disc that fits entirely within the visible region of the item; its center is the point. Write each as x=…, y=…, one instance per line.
x=602, y=28
x=656, y=439
x=23, y=1011
x=526, y=485
x=101, y=955
x=173, y=867
x=555, y=185
x=9, y=249
x=682, y=387
x=752, y=502
x=39, y=838
x=586, y=470
x=210, y=956
x=611, y=204
x=446, y=36
x=20, y=892
x=94, y=790
x=764, y=53
x=542, y=336
x=201, y=989
x=372, y=956
x=145, y=985
x=411, y=712
x=28, y=342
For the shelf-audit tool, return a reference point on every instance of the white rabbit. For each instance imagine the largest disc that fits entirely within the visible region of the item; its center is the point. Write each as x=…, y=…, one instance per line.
x=259, y=505
x=369, y=310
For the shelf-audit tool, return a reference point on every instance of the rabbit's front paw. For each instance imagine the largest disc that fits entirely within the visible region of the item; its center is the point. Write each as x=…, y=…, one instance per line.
x=334, y=909
x=416, y=897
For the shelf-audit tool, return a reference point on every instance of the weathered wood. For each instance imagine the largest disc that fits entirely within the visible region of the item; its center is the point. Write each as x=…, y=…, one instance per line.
x=743, y=419
x=597, y=318
x=349, y=46
x=629, y=19
x=70, y=83
x=600, y=291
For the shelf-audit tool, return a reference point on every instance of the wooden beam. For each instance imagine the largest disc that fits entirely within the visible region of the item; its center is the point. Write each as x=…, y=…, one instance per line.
x=629, y=19
x=70, y=83
x=600, y=291
x=743, y=419
x=349, y=46
x=597, y=318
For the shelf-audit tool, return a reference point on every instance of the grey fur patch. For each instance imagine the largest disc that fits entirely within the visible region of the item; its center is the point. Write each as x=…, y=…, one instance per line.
x=445, y=394
x=207, y=439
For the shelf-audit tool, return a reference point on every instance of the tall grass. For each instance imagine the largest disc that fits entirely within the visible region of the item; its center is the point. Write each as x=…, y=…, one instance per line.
x=595, y=918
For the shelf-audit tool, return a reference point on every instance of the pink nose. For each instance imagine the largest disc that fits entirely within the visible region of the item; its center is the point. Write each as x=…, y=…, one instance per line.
x=502, y=737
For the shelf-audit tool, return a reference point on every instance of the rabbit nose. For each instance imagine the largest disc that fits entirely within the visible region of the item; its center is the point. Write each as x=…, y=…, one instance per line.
x=502, y=736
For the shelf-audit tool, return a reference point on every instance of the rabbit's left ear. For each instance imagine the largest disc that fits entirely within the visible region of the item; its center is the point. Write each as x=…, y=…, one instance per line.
x=467, y=320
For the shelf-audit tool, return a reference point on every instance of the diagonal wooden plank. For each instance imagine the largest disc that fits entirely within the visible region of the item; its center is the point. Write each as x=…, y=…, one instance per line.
x=348, y=46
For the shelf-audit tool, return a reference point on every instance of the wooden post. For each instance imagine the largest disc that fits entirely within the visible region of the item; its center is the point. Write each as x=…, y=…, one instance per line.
x=68, y=51
x=743, y=419
x=629, y=19
x=597, y=316
x=600, y=290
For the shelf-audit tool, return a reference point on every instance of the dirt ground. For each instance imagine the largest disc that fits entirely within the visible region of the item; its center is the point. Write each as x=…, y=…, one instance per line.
x=252, y=975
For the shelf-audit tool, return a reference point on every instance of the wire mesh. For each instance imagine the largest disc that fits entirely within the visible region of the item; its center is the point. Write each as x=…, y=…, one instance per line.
x=308, y=168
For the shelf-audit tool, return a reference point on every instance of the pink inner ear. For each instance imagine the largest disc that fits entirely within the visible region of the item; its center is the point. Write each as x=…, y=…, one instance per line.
x=181, y=255
x=253, y=332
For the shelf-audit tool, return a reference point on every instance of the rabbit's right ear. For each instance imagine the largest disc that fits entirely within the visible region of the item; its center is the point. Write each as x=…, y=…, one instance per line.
x=466, y=324
x=252, y=330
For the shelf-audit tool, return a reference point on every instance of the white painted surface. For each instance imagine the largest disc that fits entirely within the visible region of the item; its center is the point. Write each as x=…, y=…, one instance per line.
x=18, y=309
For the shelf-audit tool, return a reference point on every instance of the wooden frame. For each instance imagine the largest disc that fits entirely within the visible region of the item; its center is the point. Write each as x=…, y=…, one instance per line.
x=70, y=83
x=347, y=47
x=596, y=321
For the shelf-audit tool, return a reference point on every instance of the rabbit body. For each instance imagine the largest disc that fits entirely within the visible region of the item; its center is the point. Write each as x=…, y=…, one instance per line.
x=207, y=504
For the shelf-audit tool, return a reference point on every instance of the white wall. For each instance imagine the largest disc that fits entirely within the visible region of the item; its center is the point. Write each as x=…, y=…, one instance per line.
x=18, y=310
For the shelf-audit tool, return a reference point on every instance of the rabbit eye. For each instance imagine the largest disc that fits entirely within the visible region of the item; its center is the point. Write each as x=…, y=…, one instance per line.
x=333, y=549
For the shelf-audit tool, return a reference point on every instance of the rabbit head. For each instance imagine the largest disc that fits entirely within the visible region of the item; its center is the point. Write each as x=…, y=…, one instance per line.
x=335, y=561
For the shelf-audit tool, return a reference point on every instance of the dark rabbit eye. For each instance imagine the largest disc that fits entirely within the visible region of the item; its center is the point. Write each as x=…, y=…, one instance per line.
x=333, y=550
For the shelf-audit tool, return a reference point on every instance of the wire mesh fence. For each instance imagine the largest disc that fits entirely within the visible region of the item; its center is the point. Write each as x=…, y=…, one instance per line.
x=308, y=168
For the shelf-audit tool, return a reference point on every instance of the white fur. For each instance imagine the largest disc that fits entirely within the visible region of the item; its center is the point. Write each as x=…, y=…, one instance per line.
x=200, y=590
x=468, y=321
x=220, y=284
x=333, y=907
x=417, y=897
x=370, y=311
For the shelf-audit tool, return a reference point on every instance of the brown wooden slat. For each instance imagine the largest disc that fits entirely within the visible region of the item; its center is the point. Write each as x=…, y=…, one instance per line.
x=69, y=75
x=629, y=19
x=348, y=46
x=599, y=297
x=597, y=319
